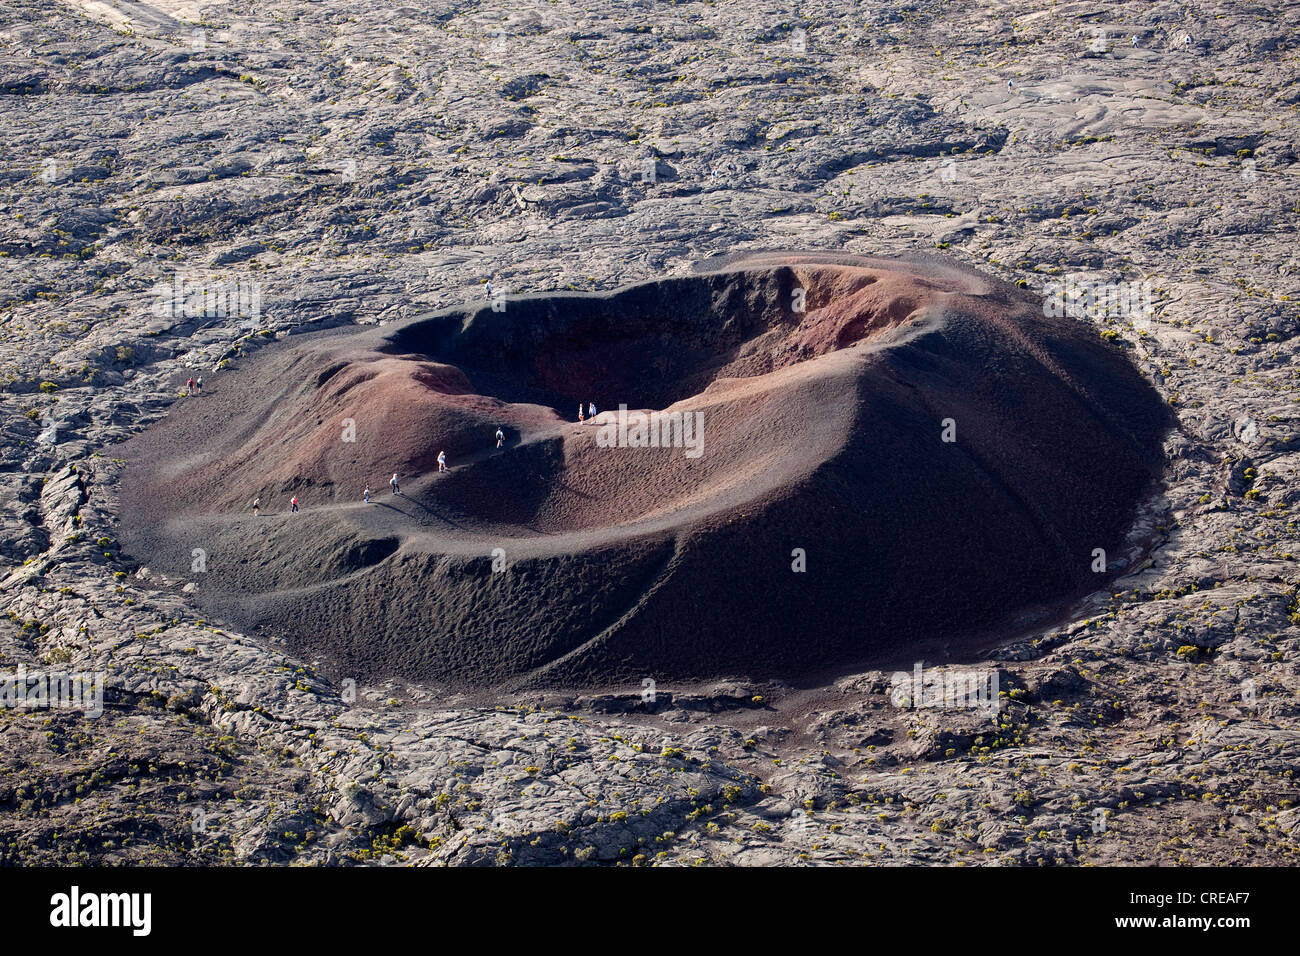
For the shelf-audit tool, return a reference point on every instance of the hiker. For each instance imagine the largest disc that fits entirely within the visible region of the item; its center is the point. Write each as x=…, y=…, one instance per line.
x=1187, y=40
x=365, y=495
x=257, y=507
x=580, y=411
x=591, y=409
x=1135, y=41
x=198, y=384
x=489, y=288
x=501, y=438
x=393, y=483
x=189, y=384
x=293, y=504
x=442, y=461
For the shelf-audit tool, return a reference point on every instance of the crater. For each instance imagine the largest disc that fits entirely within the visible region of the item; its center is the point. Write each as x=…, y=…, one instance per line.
x=857, y=458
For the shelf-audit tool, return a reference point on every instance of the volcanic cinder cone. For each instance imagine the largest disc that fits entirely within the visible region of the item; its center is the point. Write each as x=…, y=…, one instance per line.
x=815, y=517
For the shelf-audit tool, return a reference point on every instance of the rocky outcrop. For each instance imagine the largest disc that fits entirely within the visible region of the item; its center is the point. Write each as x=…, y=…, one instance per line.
x=366, y=169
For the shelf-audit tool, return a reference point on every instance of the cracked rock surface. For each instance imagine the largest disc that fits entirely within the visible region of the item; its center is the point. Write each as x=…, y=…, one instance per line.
x=331, y=163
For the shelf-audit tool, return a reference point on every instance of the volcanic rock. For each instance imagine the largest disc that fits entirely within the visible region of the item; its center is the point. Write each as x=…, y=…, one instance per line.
x=943, y=451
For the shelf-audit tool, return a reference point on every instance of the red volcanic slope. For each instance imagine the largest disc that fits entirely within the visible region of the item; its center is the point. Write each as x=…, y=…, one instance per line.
x=558, y=559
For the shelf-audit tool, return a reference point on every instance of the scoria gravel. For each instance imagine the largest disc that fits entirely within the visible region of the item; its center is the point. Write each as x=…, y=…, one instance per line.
x=331, y=163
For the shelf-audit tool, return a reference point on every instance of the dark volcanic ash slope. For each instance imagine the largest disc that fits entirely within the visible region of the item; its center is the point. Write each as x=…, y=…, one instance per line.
x=823, y=385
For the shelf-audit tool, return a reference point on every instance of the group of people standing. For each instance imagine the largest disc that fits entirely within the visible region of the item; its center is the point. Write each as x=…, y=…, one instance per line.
x=393, y=483
x=257, y=505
